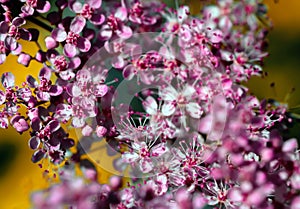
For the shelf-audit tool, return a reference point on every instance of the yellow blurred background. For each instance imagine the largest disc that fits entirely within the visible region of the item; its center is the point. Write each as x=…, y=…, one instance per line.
x=19, y=176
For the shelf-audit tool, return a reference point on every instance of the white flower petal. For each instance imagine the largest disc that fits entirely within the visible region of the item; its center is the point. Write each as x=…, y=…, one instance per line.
x=130, y=157
x=188, y=91
x=146, y=165
x=168, y=93
x=168, y=109
x=150, y=105
x=194, y=110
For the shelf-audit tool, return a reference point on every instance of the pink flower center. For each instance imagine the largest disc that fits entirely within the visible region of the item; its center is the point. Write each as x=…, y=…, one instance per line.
x=45, y=84
x=11, y=94
x=171, y=64
x=189, y=181
x=144, y=152
x=87, y=11
x=78, y=111
x=241, y=59
x=141, y=64
x=249, y=9
x=222, y=197
x=172, y=26
x=44, y=133
x=181, y=101
x=60, y=63
x=113, y=23
x=190, y=162
x=164, y=167
x=226, y=11
x=72, y=38
x=137, y=10
x=146, y=62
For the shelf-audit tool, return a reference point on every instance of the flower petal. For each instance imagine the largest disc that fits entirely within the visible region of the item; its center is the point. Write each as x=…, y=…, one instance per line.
x=216, y=36
x=2, y=58
x=194, y=110
x=168, y=109
x=94, y=3
x=43, y=96
x=97, y=19
x=146, y=78
x=27, y=10
x=226, y=55
x=83, y=44
x=78, y=122
x=159, y=150
x=3, y=122
x=188, y=91
x=74, y=63
x=118, y=62
x=34, y=142
x=2, y=97
x=50, y=42
x=105, y=33
x=18, y=21
x=67, y=75
x=121, y=13
x=19, y=123
x=17, y=50
x=130, y=157
x=69, y=50
x=150, y=105
x=37, y=156
x=43, y=6
x=125, y=32
x=54, y=125
x=59, y=34
x=35, y=124
x=63, y=112
x=101, y=131
x=11, y=43
x=8, y=80
x=129, y=72
x=45, y=73
x=75, y=6
x=55, y=90
x=4, y=27
x=290, y=145
x=77, y=24
x=25, y=34
x=24, y=59
x=146, y=165
x=100, y=90
x=168, y=94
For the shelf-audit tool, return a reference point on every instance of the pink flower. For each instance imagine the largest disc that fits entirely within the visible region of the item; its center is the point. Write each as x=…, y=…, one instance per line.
x=73, y=39
x=141, y=155
x=85, y=92
x=140, y=12
x=159, y=184
x=13, y=94
x=40, y=6
x=45, y=89
x=89, y=10
x=182, y=100
x=115, y=25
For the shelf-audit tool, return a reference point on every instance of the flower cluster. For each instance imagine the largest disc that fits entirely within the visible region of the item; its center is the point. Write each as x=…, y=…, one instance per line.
x=163, y=88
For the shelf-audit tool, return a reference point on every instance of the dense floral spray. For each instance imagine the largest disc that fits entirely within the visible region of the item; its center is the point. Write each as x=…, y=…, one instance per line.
x=163, y=90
